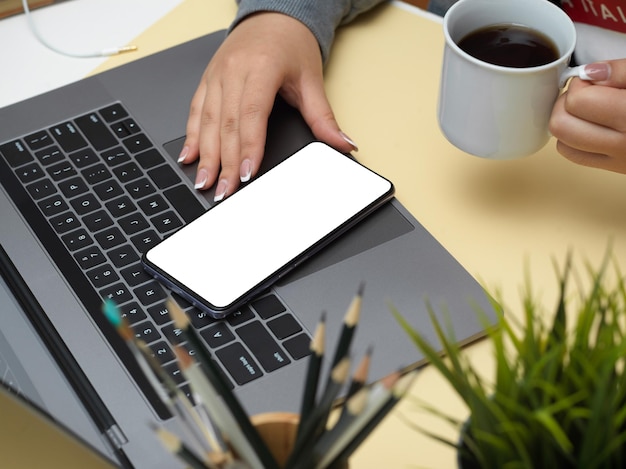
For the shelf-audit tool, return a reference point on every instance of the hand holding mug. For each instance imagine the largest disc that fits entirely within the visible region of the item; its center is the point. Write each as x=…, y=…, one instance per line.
x=589, y=119
x=504, y=63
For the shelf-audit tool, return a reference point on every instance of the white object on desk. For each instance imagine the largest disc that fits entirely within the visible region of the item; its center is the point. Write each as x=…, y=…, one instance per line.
x=29, y=68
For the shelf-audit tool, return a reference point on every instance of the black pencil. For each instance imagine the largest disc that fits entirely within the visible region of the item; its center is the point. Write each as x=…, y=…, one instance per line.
x=316, y=422
x=181, y=321
x=364, y=427
x=351, y=319
x=313, y=371
x=359, y=378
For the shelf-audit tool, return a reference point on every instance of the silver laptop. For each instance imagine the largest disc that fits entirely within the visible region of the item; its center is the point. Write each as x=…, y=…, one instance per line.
x=90, y=181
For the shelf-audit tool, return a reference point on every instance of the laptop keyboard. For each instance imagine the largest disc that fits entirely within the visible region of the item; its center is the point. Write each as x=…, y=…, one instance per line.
x=98, y=194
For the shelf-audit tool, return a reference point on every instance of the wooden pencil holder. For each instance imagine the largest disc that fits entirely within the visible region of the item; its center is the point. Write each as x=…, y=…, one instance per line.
x=278, y=431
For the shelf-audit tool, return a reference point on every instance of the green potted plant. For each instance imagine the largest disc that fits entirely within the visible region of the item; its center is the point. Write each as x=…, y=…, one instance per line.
x=558, y=395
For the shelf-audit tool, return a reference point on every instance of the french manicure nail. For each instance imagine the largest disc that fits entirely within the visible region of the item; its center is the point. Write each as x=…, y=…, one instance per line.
x=245, y=170
x=183, y=154
x=201, y=178
x=220, y=190
x=349, y=140
x=598, y=71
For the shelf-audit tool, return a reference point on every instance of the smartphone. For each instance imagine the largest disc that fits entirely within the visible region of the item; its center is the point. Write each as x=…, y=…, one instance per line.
x=242, y=245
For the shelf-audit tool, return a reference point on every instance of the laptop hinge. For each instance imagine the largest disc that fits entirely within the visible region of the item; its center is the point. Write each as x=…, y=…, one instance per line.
x=116, y=437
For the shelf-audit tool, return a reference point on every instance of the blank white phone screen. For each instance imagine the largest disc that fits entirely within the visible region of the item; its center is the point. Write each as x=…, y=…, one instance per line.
x=249, y=236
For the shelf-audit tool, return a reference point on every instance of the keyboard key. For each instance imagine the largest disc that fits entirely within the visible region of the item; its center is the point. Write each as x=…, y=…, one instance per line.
x=125, y=128
x=164, y=176
x=153, y=205
x=110, y=238
x=268, y=306
x=97, y=221
x=77, y=239
x=284, y=326
x=160, y=313
x=115, y=156
x=298, y=346
x=50, y=155
x=173, y=370
x=217, y=335
x=135, y=275
x=133, y=223
x=53, y=205
x=144, y=241
x=68, y=137
x=140, y=188
x=85, y=203
x=108, y=189
x=239, y=317
x=147, y=332
x=61, y=171
x=167, y=221
x=263, y=346
x=73, y=187
x=89, y=257
x=199, y=319
x=40, y=189
x=96, y=173
x=132, y=312
x=150, y=293
x=163, y=353
x=137, y=143
x=30, y=173
x=96, y=131
x=149, y=158
x=184, y=202
x=16, y=153
x=120, y=206
x=239, y=363
x=84, y=157
x=65, y=222
x=113, y=112
x=102, y=276
x=117, y=293
x=123, y=256
x=38, y=140
x=127, y=172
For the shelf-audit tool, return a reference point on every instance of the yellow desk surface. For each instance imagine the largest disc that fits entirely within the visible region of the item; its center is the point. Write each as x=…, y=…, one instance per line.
x=496, y=218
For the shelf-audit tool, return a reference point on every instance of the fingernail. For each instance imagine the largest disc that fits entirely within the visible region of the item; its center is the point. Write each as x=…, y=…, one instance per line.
x=349, y=140
x=220, y=190
x=183, y=154
x=598, y=71
x=245, y=170
x=201, y=178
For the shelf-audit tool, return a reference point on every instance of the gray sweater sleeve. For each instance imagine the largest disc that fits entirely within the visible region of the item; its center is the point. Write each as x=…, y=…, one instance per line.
x=322, y=17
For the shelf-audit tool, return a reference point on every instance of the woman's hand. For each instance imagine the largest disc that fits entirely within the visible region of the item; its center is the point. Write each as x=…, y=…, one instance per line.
x=589, y=119
x=266, y=54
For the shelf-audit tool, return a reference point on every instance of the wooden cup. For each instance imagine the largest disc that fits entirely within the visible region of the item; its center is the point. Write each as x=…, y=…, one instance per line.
x=278, y=430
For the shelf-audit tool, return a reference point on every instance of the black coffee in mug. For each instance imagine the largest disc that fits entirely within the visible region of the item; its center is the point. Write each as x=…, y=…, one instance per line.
x=510, y=45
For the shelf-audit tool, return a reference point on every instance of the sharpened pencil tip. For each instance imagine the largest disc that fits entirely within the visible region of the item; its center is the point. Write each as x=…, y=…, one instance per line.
x=178, y=315
x=112, y=313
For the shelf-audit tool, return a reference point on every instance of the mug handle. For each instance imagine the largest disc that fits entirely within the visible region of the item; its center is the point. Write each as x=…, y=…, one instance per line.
x=570, y=72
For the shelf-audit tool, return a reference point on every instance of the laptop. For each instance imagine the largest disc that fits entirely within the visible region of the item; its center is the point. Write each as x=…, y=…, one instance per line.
x=90, y=181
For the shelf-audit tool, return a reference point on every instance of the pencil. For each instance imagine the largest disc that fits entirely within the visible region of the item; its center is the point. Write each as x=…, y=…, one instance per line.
x=395, y=387
x=360, y=375
x=213, y=374
x=173, y=398
x=177, y=447
x=352, y=409
x=313, y=371
x=350, y=322
x=316, y=422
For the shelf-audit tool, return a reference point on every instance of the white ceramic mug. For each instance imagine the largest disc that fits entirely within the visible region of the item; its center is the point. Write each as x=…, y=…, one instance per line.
x=493, y=111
